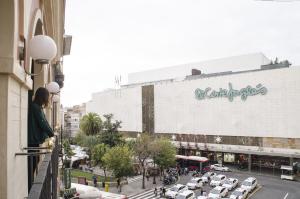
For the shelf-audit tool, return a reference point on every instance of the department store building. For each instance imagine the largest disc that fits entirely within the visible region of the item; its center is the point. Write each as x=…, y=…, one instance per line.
x=239, y=110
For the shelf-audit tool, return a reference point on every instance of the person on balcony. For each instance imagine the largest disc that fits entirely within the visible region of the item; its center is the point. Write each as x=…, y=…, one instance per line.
x=38, y=127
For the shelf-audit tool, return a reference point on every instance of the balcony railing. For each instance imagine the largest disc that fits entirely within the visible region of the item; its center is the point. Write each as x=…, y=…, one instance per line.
x=45, y=182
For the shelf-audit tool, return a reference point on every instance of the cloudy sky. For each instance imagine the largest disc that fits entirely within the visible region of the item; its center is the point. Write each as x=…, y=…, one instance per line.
x=117, y=37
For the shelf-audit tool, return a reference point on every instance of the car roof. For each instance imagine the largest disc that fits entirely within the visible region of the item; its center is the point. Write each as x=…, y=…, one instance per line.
x=196, y=178
x=231, y=179
x=239, y=189
x=218, y=188
x=221, y=175
x=250, y=179
x=186, y=192
x=178, y=185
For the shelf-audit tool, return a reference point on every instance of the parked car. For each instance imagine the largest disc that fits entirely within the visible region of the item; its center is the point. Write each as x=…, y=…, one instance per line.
x=218, y=180
x=219, y=167
x=178, y=188
x=218, y=192
x=249, y=184
x=195, y=183
x=186, y=195
x=230, y=183
x=239, y=193
x=207, y=176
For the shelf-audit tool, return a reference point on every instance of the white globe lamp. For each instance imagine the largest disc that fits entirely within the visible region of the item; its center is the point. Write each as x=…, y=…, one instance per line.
x=53, y=87
x=42, y=49
x=55, y=98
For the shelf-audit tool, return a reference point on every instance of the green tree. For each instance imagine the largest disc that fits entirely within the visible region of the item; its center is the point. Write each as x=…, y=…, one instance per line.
x=110, y=134
x=91, y=124
x=87, y=141
x=164, y=155
x=118, y=159
x=98, y=153
x=67, y=152
x=142, y=151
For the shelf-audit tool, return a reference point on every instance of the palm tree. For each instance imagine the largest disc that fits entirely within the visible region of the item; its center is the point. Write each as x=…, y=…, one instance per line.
x=91, y=124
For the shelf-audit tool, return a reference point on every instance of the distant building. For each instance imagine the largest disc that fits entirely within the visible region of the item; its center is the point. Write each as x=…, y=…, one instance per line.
x=72, y=118
x=218, y=109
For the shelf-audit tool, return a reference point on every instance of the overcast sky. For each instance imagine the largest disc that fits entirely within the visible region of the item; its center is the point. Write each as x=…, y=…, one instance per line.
x=117, y=37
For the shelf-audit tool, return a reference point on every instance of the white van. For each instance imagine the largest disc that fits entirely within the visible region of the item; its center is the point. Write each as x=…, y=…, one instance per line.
x=287, y=172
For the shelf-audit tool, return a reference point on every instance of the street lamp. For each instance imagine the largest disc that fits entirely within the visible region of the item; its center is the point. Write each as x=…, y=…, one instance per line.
x=42, y=49
x=53, y=88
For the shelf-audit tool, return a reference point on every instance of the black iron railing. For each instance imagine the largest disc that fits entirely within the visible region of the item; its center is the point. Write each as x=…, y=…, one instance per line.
x=44, y=185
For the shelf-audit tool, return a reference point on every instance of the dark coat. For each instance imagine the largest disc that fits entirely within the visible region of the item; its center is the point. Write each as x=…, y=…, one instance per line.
x=38, y=126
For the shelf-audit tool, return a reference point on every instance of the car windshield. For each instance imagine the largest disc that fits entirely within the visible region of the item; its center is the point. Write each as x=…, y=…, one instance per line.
x=247, y=183
x=215, y=191
x=180, y=196
x=206, y=175
x=228, y=181
x=193, y=181
x=216, y=178
x=237, y=193
x=174, y=189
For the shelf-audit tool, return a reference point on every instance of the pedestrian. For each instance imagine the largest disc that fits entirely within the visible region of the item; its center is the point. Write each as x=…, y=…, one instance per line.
x=118, y=182
x=164, y=191
x=201, y=192
x=147, y=176
x=155, y=191
x=95, y=180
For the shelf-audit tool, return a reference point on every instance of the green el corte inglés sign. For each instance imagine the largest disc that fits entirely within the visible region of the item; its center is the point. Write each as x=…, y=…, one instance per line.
x=230, y=93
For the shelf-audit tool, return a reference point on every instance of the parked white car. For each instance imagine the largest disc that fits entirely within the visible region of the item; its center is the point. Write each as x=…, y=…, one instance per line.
x=219, y=167
x=186, y=195
x=195, y=183
x=218, y=192
x=207, y=176
x=249, y=184
x=230, y=183
x=239, y=193
x=172, y=193
x=218, y=180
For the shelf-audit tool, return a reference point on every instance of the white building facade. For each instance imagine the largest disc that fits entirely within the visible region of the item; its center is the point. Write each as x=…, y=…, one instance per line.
x=72, y=117
x=240, y=116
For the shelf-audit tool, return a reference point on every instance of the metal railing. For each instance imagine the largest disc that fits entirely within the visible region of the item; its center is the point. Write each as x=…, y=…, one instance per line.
x=45, y=182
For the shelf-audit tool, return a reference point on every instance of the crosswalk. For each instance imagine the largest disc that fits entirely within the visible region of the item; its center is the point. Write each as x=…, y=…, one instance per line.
x=145, y=195
x=136, y=178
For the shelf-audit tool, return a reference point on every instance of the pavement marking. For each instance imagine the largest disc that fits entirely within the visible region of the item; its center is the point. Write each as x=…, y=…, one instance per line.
x=256, y=190
x=149, y=194
x=130, y=180
x=286, y=195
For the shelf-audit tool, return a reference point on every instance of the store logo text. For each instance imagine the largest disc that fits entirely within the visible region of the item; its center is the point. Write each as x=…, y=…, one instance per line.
x=230, y=93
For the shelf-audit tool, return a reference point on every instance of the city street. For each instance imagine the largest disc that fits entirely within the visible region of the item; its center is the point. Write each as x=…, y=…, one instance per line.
x=269, y=187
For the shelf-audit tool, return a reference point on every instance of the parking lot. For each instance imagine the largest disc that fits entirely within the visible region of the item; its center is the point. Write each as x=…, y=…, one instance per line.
x=268, y=186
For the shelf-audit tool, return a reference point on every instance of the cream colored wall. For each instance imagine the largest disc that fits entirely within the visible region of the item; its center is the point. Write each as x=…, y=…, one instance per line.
x=16, y=139
x=3, y=133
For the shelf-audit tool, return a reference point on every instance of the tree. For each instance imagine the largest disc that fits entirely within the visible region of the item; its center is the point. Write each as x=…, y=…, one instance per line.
x=110, y=134
x=142, y=150
x=88, y=141
x=91, y=124
x=67, y=152
x=165, y=153
x=98, y=153
x=118, y=159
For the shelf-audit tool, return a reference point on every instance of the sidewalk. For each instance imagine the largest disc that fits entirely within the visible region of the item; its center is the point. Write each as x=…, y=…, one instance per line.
x=136, y=186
